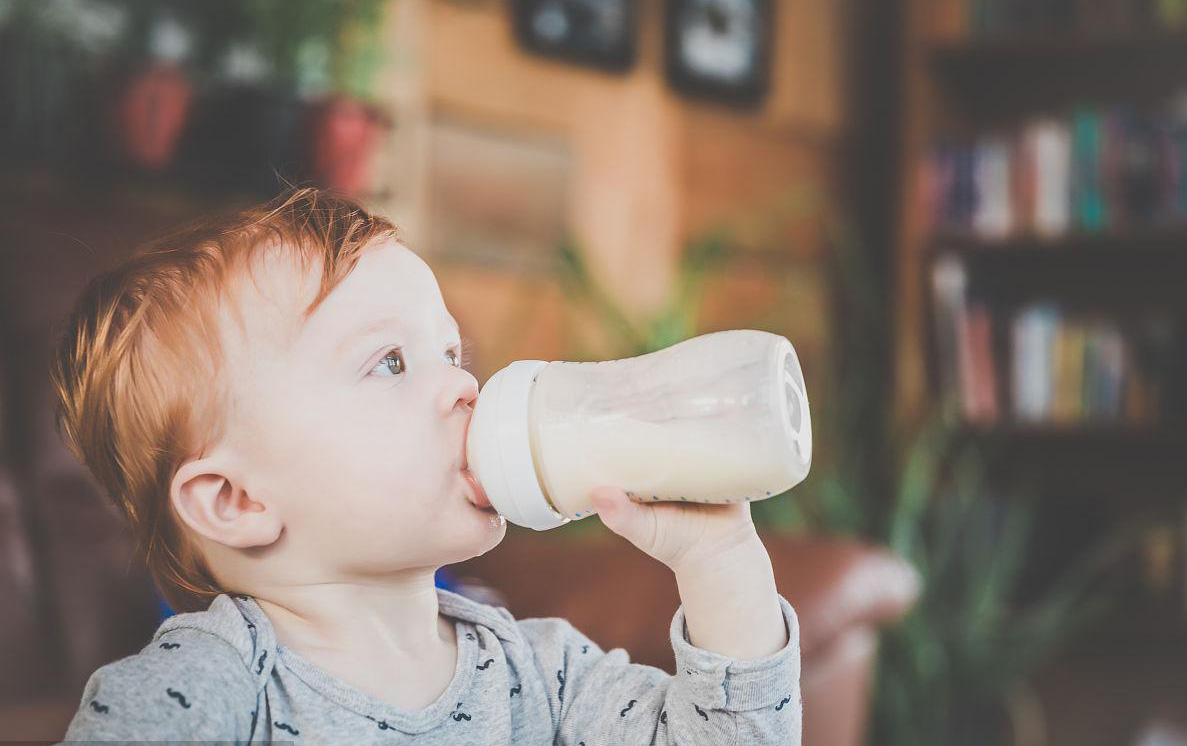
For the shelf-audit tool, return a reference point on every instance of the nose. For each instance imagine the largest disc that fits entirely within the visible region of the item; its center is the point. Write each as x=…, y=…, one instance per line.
x=462, y=391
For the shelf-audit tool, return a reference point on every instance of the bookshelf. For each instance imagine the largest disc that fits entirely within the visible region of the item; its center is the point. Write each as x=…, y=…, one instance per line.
x=1077, y=202
x=1041, y=260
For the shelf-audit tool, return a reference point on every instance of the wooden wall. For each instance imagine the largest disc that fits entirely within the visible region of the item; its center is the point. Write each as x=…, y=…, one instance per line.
x=646, y=168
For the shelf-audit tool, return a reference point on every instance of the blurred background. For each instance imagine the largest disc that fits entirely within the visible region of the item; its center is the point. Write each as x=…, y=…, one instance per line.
x=969, y=217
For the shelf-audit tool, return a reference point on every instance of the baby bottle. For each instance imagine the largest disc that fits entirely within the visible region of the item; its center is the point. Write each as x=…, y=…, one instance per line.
x=718, y=418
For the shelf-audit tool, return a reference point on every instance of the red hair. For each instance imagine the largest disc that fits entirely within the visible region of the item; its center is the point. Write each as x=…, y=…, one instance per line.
x=137, y=370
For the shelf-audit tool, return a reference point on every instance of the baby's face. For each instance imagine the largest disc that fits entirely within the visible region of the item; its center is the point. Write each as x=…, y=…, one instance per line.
x=354, y=426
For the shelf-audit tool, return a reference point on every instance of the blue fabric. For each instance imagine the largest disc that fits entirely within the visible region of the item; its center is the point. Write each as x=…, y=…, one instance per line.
x=445, y=579
x=164, y=610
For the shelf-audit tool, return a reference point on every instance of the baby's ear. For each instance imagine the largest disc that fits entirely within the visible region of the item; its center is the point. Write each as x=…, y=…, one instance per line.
x=209, y=500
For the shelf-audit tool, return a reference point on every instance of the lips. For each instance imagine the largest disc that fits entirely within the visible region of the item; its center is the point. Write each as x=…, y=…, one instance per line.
x=477, y=494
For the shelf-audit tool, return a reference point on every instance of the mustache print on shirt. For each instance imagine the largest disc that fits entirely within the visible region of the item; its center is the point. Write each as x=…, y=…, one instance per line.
x=286, y=726
x=181, y=700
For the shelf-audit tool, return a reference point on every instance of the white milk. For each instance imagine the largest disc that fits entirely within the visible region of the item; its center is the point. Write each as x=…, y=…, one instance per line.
x=687, y=461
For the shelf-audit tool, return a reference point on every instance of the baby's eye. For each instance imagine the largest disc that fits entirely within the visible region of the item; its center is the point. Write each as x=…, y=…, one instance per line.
x=393, y=362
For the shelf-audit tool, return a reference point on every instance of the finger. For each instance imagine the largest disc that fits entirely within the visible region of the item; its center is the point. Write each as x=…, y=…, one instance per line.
x=619, y=512
x=606, y=500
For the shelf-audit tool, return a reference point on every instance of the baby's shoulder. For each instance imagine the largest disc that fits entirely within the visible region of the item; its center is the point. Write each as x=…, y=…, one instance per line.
x=189, y=682
x=554, y=633
x=211, y=649
x=233, y=632
x=181, y=655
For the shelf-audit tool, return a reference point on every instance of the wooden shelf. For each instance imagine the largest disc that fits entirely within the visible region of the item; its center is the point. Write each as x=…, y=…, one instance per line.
x=1023, y=48
x=1117, y=467
x=1155, y=243
x=1000, y=80
x=1087, y=433
x=1120, y=273
x=1110, y=442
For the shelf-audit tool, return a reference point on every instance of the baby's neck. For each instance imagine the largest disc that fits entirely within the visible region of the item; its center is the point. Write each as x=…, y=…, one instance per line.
x=386, y=638
x=408, y=682
x=399, y=613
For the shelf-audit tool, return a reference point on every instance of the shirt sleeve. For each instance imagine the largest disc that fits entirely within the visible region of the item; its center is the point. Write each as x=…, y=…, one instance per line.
x=187, y=685
x=602, y=698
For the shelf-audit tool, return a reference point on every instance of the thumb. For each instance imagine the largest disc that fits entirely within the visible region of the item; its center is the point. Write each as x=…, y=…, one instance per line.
x=619, y=513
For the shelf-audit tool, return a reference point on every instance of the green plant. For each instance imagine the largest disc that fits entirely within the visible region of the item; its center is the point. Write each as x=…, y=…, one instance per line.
x=318, y=44
x=358, y=54
x=948, y=669
x=677, y=319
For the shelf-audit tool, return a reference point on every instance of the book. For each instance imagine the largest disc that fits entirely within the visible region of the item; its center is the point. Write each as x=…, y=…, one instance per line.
x=1050, y=153
x=983, y=405
x=1032, y=336
x=1111, y=358
x=948, y=291
x=992, y=212
x=1069, y=374
x=1087, y=171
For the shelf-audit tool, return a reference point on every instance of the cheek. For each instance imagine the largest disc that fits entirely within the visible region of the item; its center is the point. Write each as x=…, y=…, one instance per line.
x=377, y=448
x=372, y=457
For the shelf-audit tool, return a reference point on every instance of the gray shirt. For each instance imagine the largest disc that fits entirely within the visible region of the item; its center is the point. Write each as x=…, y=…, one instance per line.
x=221, y=674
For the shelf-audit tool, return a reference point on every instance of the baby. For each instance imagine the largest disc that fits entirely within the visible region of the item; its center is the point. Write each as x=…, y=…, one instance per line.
x=276, y=402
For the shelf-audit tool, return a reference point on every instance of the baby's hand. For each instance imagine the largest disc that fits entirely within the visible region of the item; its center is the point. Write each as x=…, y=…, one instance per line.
x=678, y=534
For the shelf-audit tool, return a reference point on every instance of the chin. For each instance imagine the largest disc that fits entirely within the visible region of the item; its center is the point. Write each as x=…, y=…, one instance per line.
x=494, y=537
x=481, y=549
x=473, y=538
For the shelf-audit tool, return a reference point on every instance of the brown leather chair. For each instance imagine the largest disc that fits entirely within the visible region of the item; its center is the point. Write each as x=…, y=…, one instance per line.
x=73, y=600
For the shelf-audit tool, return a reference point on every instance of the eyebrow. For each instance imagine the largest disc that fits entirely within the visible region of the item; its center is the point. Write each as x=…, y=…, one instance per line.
x=386, y=322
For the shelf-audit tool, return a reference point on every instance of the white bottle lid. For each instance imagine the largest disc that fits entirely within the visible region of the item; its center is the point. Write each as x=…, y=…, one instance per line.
x=794, y=411
x=500, y=437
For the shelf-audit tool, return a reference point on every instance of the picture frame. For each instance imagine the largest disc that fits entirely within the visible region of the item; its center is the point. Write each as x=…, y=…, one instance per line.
x=719, y=50
x=597, y=33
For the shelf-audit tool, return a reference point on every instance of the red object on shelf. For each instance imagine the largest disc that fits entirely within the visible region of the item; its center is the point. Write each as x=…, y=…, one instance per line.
x=343, y=135
x=150, y=113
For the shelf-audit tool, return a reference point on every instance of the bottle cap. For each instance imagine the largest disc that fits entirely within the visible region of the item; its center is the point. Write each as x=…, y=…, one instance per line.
x=499, y=448
x=794, y=413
